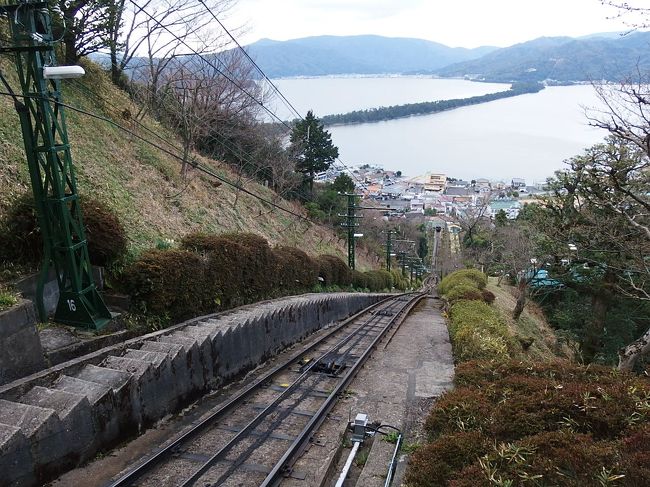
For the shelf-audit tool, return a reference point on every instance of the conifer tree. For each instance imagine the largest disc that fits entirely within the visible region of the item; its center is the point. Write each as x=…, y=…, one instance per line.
x=313, y=148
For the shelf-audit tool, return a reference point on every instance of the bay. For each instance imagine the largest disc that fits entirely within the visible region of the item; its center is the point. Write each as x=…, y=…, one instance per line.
x=527, y=136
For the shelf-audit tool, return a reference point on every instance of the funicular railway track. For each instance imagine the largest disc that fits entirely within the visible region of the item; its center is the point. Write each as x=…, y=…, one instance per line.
x=254, y=437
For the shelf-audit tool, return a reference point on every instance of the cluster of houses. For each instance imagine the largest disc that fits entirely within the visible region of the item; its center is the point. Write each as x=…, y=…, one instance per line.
x=445, y=195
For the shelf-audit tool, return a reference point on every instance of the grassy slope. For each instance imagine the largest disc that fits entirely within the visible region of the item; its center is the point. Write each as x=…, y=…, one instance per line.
x=143, y=185
x=531, y=324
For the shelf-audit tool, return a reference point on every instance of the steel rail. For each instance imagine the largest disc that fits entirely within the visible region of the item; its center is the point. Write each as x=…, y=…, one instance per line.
x=289, y=457
x=198, y=473
x=158, y=457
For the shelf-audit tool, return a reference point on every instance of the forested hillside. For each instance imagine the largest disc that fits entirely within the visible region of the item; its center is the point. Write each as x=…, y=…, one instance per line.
x=331, y=55
x=563, y=59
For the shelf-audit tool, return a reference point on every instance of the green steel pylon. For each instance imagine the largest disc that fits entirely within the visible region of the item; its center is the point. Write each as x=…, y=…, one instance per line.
x=42, y=120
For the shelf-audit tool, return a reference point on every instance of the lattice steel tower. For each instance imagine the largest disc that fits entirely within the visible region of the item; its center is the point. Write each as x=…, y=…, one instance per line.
x=42, y=120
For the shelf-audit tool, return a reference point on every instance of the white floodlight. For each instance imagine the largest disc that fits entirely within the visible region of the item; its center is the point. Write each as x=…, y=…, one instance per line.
x=358, y=235
x=573, y=247
x=63, y=72
x=393, y=255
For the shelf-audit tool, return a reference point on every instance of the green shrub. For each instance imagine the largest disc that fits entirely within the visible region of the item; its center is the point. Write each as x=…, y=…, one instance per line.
x=464, y=290
x=379, y=280
x=431, y=465
x=399, y=282
x=359, y=280
x=477, y=277
x=475, y=314
x=168, y=283
x=476, y=330
x=334, y=271
x=550, y=423
x=8, y=298
x=557, y=458
x=295, y=269
x=258, y=264
x=472, y=344
x=21, y=239
x=488, y=296
x=106, y=235
x=215, y=272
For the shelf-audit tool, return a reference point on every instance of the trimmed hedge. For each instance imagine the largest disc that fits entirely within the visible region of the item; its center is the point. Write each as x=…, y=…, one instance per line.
x=475, y=328
x=333, y=271
x=379, y=280
x=215, y=272
x=168, y=283
x=477, y=332
x=464, y=276
x=295, y=269
x=21, y=239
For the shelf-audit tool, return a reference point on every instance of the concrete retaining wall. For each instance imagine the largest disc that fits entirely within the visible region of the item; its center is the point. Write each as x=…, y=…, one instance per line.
x=20, y=348
x=53, y=420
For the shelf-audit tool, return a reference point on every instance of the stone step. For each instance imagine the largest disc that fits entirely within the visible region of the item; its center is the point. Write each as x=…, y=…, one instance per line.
x=16, y=462
x=75, y=416
x=167, y=391
x=142, y=386
x=103, y=405
x=117, y=380
x=179, y=362
x=94, y=391
x=124, y=390
x=42, y=430
x=195, y=358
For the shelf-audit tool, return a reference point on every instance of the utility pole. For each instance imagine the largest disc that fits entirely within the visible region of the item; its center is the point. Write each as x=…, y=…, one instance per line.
x=402, y=255
x=45, y=137
x=389, y=248
x=351, y=223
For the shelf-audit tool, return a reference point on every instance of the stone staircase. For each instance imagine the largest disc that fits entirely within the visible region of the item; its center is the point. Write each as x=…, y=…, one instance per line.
x=89, y=408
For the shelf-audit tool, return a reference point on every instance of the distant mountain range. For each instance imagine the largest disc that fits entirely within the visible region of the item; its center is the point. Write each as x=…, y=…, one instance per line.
x=607, y=56
x=332, y=55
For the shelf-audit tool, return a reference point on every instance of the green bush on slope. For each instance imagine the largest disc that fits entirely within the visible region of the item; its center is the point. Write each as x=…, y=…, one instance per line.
x=552, y=423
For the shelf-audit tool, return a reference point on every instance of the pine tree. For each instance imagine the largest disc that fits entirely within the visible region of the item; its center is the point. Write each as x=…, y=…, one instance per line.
x=313, y=147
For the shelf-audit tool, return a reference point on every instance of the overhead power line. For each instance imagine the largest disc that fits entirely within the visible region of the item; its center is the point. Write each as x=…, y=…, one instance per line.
x=211, y=64
x=275, y=88
x=205, y=169
x=259, y=70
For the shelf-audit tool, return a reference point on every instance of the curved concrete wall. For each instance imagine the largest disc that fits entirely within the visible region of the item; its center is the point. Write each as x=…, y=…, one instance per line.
x=55, y=419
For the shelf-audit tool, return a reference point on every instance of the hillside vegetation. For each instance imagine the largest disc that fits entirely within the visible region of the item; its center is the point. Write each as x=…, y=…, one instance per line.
x=143, y=185
x=522, y=412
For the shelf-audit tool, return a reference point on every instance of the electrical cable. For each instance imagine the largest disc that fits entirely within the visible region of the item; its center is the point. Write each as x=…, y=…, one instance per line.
x=235, y=151
x=288, y=103
x=276, y=89
x=210, y=63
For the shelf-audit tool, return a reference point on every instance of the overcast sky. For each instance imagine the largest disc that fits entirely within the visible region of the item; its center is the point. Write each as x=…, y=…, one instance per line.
x=456, y=23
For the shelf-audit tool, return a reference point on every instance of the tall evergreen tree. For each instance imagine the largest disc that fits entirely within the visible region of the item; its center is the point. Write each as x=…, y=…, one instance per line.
x=313, y=147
